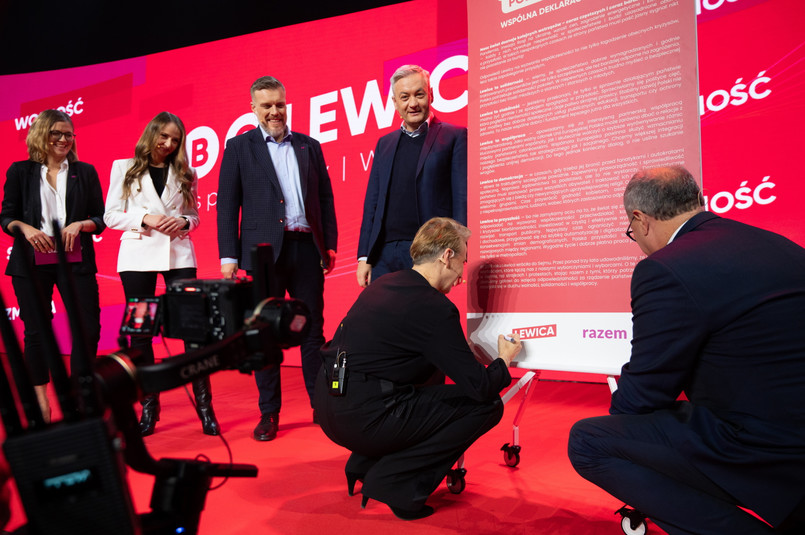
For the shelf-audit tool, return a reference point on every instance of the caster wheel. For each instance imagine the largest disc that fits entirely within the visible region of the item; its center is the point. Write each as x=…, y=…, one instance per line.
x=511, y=455
x=633, y=521
x=628, y=529
x=456, y=482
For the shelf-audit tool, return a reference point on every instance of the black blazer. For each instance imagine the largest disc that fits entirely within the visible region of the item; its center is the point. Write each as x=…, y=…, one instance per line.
x=401, y=329
x=21, y=201
x=441, y=182
x=719, y=314
x=248, y=187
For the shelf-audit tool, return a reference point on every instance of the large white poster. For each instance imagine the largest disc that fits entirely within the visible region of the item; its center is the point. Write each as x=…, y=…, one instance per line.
x=573, y=97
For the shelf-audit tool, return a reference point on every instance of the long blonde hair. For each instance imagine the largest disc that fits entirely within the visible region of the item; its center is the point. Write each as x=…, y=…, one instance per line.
x=39, y=135
x=176, y=160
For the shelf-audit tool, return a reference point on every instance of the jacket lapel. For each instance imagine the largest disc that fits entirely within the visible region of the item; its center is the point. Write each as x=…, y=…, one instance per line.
x=72, y=193
x=33, y=187
x=433, y=133
x=150, y=197
x=260, y=153
x=72, y=182
x=385, y=159
x=171, y=191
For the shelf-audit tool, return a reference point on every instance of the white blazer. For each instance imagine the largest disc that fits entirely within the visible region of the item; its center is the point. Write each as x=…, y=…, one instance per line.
x=145, y=249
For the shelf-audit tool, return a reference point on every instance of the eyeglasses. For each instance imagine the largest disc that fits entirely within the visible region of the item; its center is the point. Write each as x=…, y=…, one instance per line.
x=629, y=230
x=56, y=135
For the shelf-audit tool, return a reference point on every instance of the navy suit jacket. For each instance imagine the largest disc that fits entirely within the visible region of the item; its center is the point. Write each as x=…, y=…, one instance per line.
x=719, y=314
x=251, y=207
x=22, y=202
x=441, y=182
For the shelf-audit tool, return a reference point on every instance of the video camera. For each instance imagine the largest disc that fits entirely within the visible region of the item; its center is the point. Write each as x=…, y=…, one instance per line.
x=70, y=474
x=202, y=312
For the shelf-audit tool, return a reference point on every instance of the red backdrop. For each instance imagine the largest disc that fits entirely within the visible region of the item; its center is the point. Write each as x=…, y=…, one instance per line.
x=336, y=73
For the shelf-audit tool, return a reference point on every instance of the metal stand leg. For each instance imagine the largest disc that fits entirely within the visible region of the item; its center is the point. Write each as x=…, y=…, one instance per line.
x=511, y=453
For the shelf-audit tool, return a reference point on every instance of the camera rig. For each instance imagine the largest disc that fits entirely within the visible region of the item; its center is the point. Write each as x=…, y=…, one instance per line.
x=71, y=474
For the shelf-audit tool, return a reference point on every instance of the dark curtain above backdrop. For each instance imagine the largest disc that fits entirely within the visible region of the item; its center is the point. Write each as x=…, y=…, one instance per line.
x=48, y=35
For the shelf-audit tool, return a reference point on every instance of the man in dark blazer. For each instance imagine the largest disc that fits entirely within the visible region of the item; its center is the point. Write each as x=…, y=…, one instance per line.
x=418, y=172
x=719, y=315
x=274, y=188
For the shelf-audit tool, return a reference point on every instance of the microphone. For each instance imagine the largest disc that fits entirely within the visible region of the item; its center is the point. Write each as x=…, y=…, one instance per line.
x=460, y=279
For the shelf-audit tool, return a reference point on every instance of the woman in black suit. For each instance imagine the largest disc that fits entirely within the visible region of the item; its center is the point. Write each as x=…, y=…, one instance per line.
x=53, y=185
x=404, y=431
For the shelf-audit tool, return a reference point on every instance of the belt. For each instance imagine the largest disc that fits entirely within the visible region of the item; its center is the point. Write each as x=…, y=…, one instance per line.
x=386, y=387
x=298, y=235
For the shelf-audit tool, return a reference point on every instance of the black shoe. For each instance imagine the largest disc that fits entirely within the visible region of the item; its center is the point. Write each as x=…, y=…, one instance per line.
x=150, y=415
x=315, y=417
x=351, y=479
x=203, y=394
x=267, y=428
x=405, y=514
x=209, y=424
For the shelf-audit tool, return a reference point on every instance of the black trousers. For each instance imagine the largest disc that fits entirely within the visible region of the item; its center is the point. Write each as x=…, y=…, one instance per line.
x=634, y=458
x=394, y=256
x=87, y=307
x=144, y=284
x=299, y=272
x=403, y=442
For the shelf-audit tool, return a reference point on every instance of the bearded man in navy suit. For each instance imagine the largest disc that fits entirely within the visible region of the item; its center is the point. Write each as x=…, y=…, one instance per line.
x=274, y=188
x=719, y=315
x=418, y=172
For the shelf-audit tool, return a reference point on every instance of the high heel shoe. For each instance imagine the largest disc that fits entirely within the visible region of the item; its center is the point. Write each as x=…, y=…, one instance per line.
x=405, y=514
x=150, y=415
x=352, y=477
x=364, y=501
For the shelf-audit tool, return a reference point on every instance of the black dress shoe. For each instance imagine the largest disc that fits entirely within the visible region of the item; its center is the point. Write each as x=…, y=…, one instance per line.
x=267, y=428
x=405, y=514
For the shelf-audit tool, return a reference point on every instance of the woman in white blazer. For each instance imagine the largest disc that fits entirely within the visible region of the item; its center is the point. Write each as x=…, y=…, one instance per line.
x=152, y=199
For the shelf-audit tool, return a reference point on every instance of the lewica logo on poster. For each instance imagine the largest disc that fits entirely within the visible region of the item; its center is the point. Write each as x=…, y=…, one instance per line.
x=513, y=5
x=539, y=331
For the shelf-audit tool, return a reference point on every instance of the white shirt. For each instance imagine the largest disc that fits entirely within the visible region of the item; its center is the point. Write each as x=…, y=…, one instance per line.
x=287, y=168
x=54, y=205
x=677, y=231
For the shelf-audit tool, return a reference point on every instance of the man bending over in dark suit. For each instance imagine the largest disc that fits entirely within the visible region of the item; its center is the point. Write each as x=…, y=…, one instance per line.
x=277, y=182
x=418, y=172
x=718, y=314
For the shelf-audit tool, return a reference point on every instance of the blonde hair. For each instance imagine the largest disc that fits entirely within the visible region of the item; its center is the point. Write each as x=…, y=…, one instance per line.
x=435, y=236
x=176, y=160
x=39, y=135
